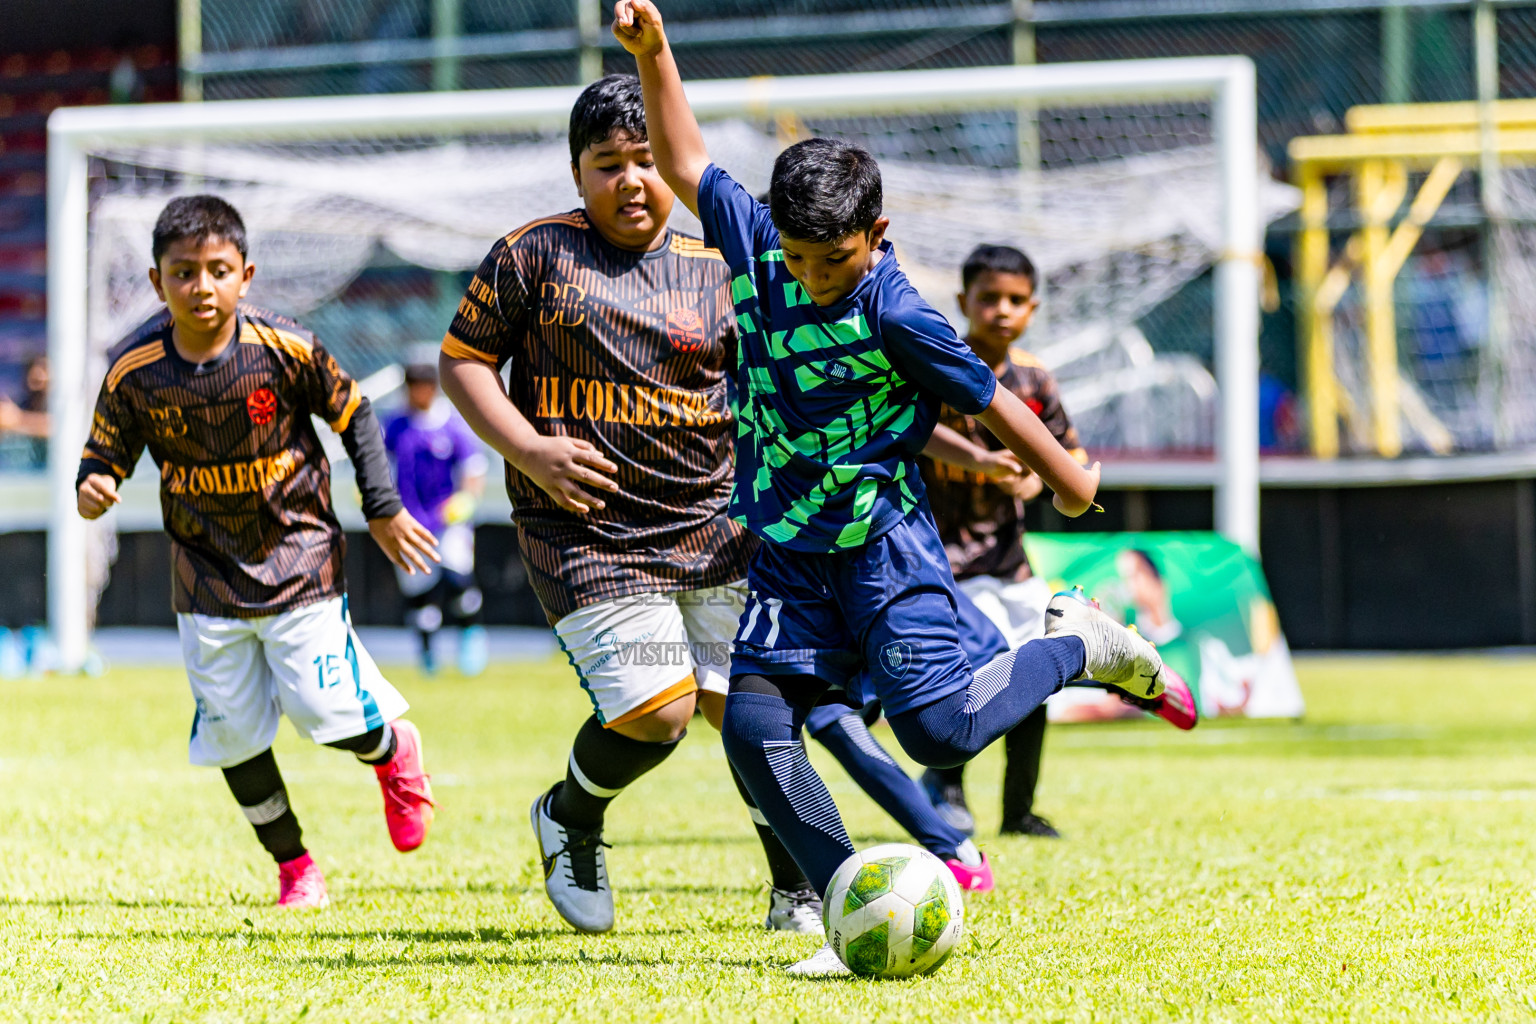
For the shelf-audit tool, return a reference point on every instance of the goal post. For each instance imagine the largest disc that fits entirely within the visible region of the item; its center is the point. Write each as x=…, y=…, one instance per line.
x=76, y=136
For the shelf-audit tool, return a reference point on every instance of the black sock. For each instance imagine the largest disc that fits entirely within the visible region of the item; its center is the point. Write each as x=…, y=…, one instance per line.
x=258, y=787
x=370, y=747
x=602, y=763
x=782, y=869
x=1021, y=766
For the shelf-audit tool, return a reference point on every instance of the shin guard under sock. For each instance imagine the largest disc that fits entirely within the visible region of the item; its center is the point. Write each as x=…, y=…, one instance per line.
x=257, y=786
x=602, y=763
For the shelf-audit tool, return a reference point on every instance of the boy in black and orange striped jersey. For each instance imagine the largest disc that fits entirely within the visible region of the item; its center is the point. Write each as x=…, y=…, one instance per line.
x=221, y=393
x=617, y=437
x=980, y=519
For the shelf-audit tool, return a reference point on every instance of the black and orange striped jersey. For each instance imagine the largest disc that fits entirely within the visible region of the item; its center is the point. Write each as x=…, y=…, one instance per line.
x=982, y=526
x=245, y=487
x=628, y=351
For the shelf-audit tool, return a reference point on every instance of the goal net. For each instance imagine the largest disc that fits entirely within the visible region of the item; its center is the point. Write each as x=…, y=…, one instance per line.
x=1133, y=186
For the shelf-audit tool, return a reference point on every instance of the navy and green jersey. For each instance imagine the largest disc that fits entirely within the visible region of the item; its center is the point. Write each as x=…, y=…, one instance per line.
x=834, y=402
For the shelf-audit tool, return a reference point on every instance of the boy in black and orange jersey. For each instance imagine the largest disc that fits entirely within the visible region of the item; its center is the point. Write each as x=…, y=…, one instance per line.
x=981, y=523
x=221, y=393
x=617, y=439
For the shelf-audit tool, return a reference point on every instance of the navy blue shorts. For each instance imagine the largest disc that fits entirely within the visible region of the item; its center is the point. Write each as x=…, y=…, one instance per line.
x=879, y=622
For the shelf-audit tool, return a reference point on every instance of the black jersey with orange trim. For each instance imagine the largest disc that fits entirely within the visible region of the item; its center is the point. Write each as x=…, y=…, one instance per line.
x=245, y=487
x=981, y=525
x=628, y=351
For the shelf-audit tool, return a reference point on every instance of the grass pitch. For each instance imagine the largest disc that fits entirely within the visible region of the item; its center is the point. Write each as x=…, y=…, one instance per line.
x=1372, y=863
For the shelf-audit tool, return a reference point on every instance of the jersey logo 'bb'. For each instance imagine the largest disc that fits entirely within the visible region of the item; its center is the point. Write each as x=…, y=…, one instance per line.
x=262, y=405
x=686, y=329
x=167, y=422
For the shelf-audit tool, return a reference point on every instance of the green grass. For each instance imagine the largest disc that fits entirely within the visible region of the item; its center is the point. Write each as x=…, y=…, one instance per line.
x=1373, y=863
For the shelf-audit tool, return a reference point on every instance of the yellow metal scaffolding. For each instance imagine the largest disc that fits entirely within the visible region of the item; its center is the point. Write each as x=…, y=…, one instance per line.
x=1385, y=144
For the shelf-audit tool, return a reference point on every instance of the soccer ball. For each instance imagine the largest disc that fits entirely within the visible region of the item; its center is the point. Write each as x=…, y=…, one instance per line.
x=893, y=910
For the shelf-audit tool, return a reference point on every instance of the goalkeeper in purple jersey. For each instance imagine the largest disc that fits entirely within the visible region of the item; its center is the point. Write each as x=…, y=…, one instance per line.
x=440, y=470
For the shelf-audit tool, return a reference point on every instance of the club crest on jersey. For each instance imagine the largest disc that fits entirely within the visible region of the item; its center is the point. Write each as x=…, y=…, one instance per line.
x=839, y=373
x=686, y=330
x=896, y=656
x=262, y=405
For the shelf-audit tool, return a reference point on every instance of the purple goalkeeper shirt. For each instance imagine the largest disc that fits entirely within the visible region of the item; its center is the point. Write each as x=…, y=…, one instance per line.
x=433, y=451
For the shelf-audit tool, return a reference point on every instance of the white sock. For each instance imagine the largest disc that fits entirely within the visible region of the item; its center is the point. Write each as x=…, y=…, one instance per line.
x=967, y=854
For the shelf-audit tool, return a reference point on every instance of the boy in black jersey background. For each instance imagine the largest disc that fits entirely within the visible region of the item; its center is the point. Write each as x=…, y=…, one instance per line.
x=221, y=393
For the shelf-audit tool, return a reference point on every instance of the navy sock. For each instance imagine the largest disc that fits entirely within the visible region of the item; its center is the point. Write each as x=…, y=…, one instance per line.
x=881, y=777
x=782, y=869
x=953, y=730
x=761, y=737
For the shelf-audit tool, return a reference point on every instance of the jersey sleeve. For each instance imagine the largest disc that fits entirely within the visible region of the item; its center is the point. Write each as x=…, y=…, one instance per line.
x=929, y=352
x=115, y=442
x=492, y=316
x=332, y=394
x=734, y=222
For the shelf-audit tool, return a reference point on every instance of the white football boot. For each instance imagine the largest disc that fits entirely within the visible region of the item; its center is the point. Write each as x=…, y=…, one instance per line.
x=798, y=911
x=823, y=963
x=1118, y=656
x=575, y=871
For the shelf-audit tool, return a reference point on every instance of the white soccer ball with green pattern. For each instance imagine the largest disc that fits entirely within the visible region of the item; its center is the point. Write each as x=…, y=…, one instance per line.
x=893, y=910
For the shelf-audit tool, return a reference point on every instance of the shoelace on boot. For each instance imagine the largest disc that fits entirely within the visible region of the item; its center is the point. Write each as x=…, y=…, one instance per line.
x=581, y=847
x=404, y=794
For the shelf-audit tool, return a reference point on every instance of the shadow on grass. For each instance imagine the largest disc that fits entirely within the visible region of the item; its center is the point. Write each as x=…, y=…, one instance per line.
x=687, y=840
x=627, y=961
x=363, y=935
x=106, y=901
x=692, y=889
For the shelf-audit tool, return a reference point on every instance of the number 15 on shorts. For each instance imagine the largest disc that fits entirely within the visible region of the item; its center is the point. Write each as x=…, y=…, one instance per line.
x=328, y=670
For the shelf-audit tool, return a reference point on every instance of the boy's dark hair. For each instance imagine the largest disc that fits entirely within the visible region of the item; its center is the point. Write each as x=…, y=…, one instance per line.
x=996, y=259
x=607, y=105
x=198, y=218
x=824, y=190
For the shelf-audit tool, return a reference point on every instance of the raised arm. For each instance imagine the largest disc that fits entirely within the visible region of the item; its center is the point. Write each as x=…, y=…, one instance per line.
x=1021, y=430
x=670, y=125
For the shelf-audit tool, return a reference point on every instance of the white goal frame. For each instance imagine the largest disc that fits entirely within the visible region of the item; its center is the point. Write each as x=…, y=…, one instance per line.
x=1228, y=83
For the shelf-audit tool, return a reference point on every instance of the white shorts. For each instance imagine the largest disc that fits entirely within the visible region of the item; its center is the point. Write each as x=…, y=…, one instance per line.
x=305, y=663
x=638, y=653
x=1018, y=609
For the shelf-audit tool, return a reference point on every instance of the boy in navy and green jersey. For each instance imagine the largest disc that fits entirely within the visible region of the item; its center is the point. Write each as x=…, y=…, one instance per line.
x=841, y=370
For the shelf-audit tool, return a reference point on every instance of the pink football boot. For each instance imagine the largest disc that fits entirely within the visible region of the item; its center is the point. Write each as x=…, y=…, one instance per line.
x=300, y=885
x=977, y=879
x=1175, y=705
x=407, y=790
